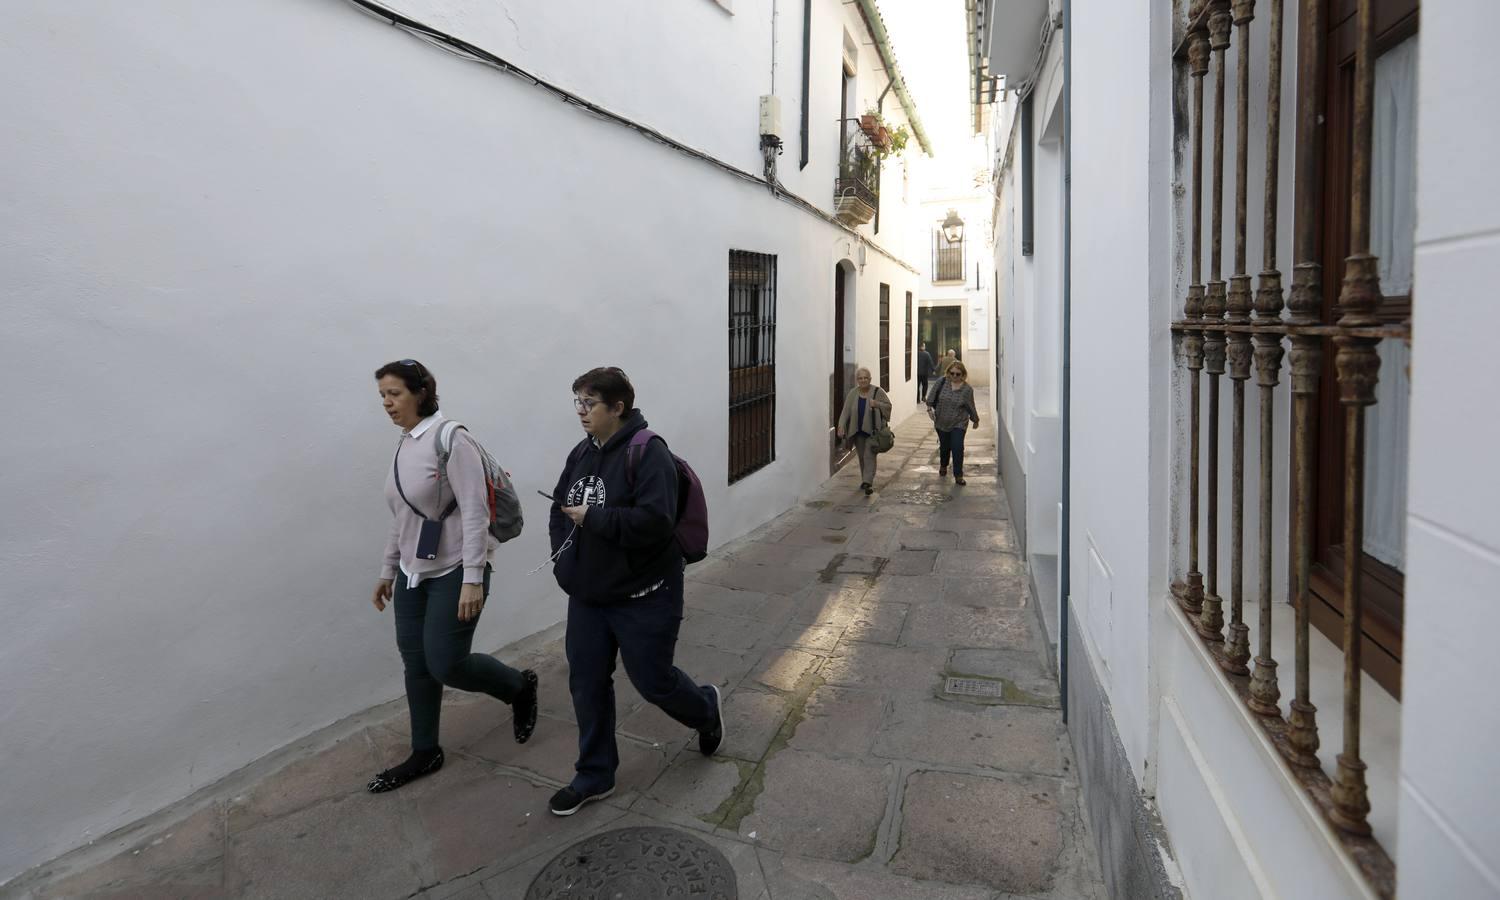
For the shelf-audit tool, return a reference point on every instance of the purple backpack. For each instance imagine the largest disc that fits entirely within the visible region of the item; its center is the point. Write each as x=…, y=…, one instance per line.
x=691, y=530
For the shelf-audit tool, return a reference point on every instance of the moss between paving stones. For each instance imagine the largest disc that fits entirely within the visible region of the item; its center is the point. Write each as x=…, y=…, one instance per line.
x=741, y=801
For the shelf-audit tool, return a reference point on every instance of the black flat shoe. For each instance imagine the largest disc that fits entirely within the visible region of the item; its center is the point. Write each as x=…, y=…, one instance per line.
x=868, y=489
x=523, y=709
x=416, y=766
x=957, y=479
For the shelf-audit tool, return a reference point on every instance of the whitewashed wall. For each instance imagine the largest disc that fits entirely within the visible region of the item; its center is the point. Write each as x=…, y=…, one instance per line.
x=1118, y=484
x=1450, y=843
x=217, y=223
x=1031, y=309
x=950, y=185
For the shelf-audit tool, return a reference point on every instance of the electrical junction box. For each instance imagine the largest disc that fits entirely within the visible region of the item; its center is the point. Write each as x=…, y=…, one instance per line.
x=770, y=115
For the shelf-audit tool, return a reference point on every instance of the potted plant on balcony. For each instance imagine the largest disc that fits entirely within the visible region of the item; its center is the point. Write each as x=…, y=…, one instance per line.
x=885, y=139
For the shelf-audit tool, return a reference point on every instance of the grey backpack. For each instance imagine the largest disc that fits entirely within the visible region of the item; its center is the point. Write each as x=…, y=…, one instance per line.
x=505, y=506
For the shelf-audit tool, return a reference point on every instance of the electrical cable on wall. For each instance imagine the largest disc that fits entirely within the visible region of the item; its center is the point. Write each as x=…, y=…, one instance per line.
x=465, y=50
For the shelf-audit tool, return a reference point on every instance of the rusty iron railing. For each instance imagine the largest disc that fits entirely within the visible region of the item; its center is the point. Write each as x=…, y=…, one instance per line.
x=1225, y=329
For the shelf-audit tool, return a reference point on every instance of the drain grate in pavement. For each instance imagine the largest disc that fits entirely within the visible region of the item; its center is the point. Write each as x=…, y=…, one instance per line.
x=637, y=864
x=918, y=498
x=974, y=687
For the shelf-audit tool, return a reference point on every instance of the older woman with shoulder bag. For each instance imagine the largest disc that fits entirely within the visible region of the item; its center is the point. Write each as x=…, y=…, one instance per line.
x=867, y=409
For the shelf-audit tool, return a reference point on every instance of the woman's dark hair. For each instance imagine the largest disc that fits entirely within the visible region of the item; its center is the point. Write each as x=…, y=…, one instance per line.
x=417, y=380
x=610, y=383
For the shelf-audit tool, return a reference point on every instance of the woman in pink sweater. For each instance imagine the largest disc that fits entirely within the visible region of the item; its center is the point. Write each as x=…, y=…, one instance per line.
x=437, y=571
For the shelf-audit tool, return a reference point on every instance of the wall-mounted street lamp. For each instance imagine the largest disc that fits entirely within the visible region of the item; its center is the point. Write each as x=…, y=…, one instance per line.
x=953, y=228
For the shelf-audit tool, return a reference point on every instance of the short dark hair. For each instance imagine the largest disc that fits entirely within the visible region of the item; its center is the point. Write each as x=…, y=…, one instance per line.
x=417, y=380
x=610, y=383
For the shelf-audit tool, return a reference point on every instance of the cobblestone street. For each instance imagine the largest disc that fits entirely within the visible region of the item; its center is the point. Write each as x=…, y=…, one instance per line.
x=849, y=771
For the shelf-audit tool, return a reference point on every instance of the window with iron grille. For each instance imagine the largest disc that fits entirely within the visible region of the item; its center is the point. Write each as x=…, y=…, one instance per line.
x=947, y=259
x=908, y=335
x=885, y=338
x=752, y=362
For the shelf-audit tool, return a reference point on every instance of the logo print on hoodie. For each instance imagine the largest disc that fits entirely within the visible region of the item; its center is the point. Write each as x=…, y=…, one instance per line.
x=587, y=491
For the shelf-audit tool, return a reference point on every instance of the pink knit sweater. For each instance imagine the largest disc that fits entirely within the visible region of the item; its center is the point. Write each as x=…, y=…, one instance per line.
x=466, y=538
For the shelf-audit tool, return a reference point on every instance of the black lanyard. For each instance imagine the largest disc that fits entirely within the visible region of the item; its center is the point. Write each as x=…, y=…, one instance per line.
x=396, y=470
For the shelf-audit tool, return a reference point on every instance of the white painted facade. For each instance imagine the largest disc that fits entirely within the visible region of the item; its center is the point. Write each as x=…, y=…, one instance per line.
x=1028, y=313
x=217, y=222
x=961, y=183
x=1237, y=823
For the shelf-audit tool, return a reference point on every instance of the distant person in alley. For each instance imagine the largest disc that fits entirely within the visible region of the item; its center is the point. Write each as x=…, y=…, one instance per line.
x=925, y=365
x=949, y=357
x=866, y=409
x=437, y=568
x=615, y=508
x=951, y=406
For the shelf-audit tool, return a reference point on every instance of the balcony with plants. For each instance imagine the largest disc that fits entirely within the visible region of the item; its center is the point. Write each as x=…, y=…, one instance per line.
x=866, y=142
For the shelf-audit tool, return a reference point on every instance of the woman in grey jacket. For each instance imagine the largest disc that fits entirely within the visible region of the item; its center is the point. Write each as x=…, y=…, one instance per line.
x=951, y=405
x=865, y=409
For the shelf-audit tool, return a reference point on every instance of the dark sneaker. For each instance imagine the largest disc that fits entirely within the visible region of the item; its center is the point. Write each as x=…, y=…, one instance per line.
x=710, y=738
x=567, y=801
x=867, y=488
x=416, y=765
x=523, y=708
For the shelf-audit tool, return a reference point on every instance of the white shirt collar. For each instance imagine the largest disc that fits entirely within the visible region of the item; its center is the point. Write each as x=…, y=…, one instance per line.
x=421, y=427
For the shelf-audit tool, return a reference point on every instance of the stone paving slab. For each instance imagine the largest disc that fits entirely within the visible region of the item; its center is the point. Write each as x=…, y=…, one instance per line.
x=876, y=623
x=847, y=772
x=733, y=634
x=840, y=722
x=1001, y=832
x=819, y=806
x=1012, y=591
x=186, y=858
x=979, y=563
x=363, y=839
x=749, y=577
x=797, y=878
x=785, y=668
x=1022, y=670
x=952, y=733
x=950, y=625
x=791, y=556
x=896, y=670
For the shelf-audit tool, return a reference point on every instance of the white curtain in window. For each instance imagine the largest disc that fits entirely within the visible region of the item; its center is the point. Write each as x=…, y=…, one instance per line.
x=1393, y=197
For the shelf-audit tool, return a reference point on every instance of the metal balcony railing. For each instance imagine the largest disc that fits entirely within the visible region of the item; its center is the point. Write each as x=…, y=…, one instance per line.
x=856, y=191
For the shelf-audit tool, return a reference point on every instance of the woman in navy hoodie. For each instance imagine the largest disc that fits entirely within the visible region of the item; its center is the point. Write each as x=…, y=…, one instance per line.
x=617, y=558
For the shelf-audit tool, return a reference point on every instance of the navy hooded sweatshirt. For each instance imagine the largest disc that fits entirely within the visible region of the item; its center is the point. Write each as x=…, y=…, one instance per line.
x=626, y=541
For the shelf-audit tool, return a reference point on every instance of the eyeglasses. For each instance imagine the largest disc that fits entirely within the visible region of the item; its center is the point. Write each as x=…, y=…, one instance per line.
x=584, y=404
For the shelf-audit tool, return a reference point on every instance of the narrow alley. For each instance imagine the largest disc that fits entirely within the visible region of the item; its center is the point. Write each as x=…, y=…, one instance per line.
x=855, y=766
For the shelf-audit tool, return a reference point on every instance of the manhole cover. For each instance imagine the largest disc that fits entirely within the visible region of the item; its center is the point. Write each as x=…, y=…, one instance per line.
x=974, y=687
x=636, y=864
